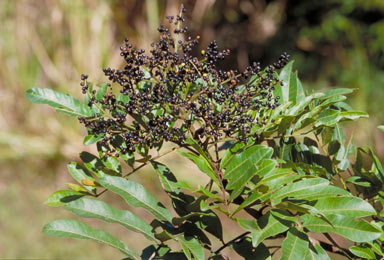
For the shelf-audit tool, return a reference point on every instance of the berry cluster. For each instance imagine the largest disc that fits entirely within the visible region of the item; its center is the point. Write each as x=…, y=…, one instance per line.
x=171, y=95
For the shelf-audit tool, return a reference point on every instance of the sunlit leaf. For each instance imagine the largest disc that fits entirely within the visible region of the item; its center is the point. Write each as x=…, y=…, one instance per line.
x=316, y=252
x=309, y=189
x=203, y=165
x=193, y=246
x=357, y=231
x=61, y=197
x=70, y=228
x=346, y=206
x=136, y=195
x=90, y=208
x=243, y=166
x=80, y=174
x=62, y=102
x=268, y=225
x=91, y=139
x=362, y=252
x=295, y=245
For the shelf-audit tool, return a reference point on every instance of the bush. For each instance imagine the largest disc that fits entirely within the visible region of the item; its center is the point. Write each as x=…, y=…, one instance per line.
x=279, y=164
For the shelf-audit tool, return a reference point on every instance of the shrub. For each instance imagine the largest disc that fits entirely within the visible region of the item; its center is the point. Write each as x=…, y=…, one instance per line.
x=278, y=162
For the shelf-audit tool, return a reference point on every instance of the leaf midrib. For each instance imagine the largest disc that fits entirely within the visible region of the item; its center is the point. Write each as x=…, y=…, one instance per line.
x=111, y=218
x=134, y=198
x=94, y=238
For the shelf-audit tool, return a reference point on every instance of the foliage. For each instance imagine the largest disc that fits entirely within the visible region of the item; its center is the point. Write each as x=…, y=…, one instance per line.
x=278, y=162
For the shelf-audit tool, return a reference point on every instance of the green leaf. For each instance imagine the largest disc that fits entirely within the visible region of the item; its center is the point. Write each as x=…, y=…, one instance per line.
x=357, y=180
x=136, y=195
x=363, y=252
x=245, y=249
x=293, y=87
x=91, y=139
x=167, y=179
x=128, y=158
x=336, y=92
x=279, y=177
x=376, y=247
x=265, y=167
x=61, y=197
x=295, y=245
x=377, y=169
x=300, y=91
x=286, y=93
x=346, y=206
x=76, y=187
x=297, y=109
x=339, y=136
x=316, y=252
x=113, y=164
x=209, y=194
x=303, y=208
x=79, y=174
x=309, y=189
x=208, y=222
x=178, y=221
x=267, y=226
x=197, y=147
x=328, y=117
x=332, y=100
x=203, y=165
x=62, y=102
x=70, y=228
x=93, y=163
x=248, y=201
x=101, y=91
x=230, y=152
x=381, y=127
x=90, y=208
x=352, y=115
x=192, y=245
x=357, y=231
x=243, y=166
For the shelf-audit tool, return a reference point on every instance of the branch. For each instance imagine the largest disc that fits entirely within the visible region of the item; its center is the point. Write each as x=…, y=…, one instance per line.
x=231, y=241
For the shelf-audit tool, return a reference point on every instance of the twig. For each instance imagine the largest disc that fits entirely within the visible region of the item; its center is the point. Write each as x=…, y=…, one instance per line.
x=231, y=241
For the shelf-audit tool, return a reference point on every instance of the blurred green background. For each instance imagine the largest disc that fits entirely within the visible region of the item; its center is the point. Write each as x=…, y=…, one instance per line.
x=49, y=43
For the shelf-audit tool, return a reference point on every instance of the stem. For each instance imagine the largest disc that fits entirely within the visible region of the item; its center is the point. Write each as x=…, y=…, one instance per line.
x=178, y=28
x=216, y=151
x=231, y=241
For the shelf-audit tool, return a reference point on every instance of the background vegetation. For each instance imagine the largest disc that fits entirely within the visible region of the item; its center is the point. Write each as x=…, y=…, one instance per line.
x=50, y=43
